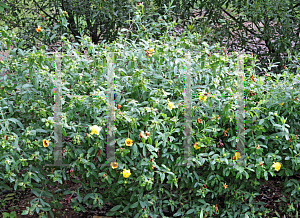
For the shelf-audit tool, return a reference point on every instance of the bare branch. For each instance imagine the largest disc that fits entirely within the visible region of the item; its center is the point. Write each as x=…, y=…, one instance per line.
x=232, y=17
x=53, y=18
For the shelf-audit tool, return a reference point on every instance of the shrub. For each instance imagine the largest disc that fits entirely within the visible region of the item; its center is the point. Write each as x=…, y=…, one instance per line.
x=149, y=118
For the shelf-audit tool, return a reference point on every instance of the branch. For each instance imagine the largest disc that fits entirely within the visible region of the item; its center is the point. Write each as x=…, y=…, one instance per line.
x=52, y=18
x=75, y=33
x=232, y=17
x=296, y=5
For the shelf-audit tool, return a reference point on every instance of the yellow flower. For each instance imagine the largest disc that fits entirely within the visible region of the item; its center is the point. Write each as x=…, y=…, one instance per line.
x=114, y=165
x=277, y=166
x=128, y=142
x=203, y=98
x=151, y=50
x=171, y=105
x=39, y=29
x=46, y=143
x=291, y=146
x=196, y=146
x=237, y=155
x=126, y=173
x=95, y=130
x=282, y=103
x=225, y=186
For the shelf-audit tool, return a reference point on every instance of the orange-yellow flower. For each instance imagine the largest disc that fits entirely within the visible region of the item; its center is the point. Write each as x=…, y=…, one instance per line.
x=261, y=164
x=196, y=146
x=128, y=142
x=147, y=133
x=119, y=106
x=225, y=186
x=39, y=29
x=114, y=165
x=199, y=120
x=257, y=146
x=237, y=155
x=46, y=143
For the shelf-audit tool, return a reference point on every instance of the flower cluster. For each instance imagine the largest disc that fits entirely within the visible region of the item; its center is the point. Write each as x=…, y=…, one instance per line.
x=150, y=52
x=203, y=96
x=144, y=135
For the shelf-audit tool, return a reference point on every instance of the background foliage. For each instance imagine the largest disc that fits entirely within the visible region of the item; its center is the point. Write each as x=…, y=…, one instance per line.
x=265, y=28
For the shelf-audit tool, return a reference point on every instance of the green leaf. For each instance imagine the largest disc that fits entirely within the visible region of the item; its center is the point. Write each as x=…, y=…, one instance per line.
x=162, y=177
x=134, y=148
x=56, y=26
x=143, y=204
x=16, y=185
x=15, y=121
x=25, y=212
x=2, y=6
x=150, y=147
x=190, y=211
x=134, y=205
x=88, y=196
x=115, y=208
x=266, y=175
x=36, y=191
x=52, y=37
x=64, y=132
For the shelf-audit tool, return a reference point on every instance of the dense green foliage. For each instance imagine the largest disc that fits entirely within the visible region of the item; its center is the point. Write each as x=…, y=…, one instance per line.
x=144, y=87
x=265, y=28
